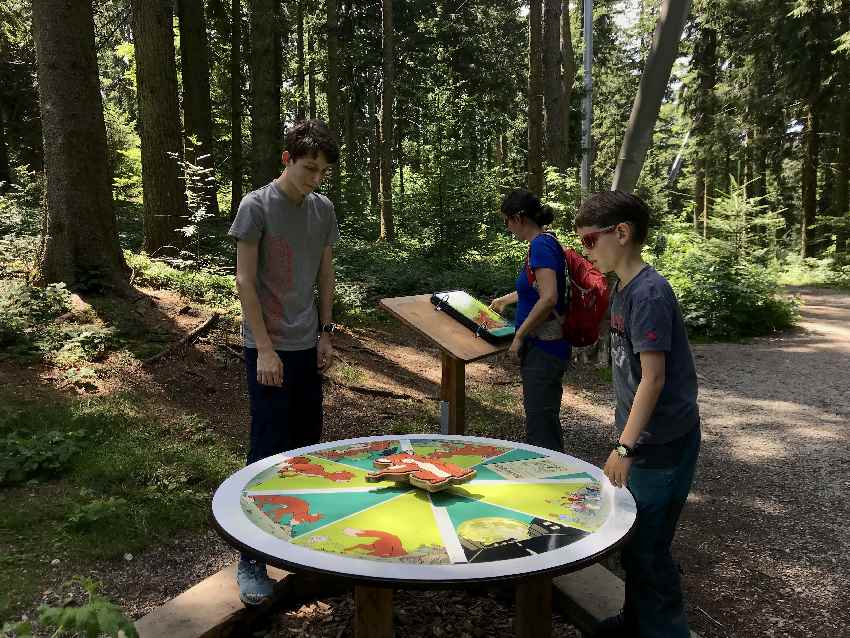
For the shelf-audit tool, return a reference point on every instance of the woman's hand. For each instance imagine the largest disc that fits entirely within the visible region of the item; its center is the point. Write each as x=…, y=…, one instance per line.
x=617, y=469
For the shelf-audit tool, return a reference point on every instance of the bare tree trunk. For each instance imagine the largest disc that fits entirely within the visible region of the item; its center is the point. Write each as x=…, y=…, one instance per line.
x=80, y=246
x=535, y=99
x=5, y=168
x=311, y=73
x=568, y=77
x=235, y=106
x=809, y=180
x=332, y=79
x=553, y=84
x=159, y=124
x=840, y=199
x=374, y=152
x=197, y=110
x=265, y=92
x=387, y=96
x=653, y=84
x=300, y=111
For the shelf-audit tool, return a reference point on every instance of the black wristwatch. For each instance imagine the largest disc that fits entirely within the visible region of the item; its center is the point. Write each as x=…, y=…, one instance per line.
x=624, y=451
x=328, y=328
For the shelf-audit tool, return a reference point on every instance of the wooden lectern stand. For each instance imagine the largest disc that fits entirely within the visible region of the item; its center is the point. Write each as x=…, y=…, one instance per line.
x=458, y=344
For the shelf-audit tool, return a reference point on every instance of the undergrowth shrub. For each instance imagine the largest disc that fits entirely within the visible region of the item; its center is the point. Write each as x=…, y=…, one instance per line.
x=24, y=456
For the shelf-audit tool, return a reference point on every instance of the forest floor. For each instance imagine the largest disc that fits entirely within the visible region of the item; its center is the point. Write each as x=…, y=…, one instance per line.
x=762, y=541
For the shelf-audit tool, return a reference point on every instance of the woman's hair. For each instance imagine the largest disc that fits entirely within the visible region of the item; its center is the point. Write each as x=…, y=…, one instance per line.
x=521, y=202
x=614, y=207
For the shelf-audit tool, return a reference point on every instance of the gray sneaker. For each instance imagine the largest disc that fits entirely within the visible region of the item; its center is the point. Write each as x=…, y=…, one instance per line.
x=255, y=586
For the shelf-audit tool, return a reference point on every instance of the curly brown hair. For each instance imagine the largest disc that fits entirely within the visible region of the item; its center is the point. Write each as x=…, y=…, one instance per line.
x=307, y=138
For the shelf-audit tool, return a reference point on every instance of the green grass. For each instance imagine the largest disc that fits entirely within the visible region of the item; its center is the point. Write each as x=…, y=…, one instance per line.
x=134, y=483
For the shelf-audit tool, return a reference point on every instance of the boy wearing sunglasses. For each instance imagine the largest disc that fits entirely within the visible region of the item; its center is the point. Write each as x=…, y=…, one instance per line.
x=655, y=384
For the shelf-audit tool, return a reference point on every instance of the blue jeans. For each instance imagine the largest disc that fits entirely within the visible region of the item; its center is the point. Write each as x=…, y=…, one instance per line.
x=542, y=387
x=287, y=417
x=654, y=606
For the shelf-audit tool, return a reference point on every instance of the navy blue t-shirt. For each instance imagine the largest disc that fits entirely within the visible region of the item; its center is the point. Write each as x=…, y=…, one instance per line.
x=544, y=252
x=645, y=317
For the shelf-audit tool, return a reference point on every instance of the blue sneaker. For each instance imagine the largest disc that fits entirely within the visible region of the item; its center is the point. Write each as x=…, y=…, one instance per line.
x=255, y=586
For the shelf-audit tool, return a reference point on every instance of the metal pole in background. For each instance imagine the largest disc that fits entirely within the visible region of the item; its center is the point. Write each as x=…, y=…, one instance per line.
x=587, y=123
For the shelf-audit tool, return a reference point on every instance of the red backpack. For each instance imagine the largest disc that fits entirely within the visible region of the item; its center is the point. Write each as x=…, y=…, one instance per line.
x=587, y=298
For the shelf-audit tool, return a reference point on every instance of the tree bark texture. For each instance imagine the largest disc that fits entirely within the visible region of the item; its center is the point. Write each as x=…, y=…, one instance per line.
x=553, y=84
x=197, y=110
x=5, y=168
x=80, y=245
x=568, y=77
x=311, y=73
x=809, y=180
x=535, y=99
x=235, y=106
x=374, y=136
x=653, y=84
x=159, y=124
x=300, y=101
x=332, y=79
x=840, y=199
x=387, y=96
x=705, y=64
x=266, y=134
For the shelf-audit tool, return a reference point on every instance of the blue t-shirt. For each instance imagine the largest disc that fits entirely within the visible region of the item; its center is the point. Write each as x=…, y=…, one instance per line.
x=544, y=252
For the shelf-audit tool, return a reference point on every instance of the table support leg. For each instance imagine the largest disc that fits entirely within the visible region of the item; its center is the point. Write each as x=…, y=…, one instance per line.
x=453, y=395
x=533, y=608
x=373, y=612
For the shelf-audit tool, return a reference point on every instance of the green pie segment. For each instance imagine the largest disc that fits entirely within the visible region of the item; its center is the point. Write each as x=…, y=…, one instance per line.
x=457, y=453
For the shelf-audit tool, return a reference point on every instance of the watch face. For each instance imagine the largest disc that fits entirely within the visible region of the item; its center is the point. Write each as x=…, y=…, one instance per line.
x=621, y=450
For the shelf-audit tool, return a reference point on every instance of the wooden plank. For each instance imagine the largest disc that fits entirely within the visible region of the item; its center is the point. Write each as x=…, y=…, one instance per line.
x=533, y=608
x=373, y=612
x=590, y=595
x=419, y=313
x=453, y=391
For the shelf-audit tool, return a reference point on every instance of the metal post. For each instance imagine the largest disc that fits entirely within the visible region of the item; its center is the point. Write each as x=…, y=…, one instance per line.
x=587, y=123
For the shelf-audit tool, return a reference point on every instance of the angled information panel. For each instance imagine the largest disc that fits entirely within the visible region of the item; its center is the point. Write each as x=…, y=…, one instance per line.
x=528, y=511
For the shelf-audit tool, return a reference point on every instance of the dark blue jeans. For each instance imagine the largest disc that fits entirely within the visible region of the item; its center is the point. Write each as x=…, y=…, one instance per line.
x=287, y=417
x=654, y=605
x=542, y=387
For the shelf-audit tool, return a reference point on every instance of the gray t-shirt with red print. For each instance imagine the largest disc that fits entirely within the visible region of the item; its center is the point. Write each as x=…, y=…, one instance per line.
x=646, y=317
x=291, y=241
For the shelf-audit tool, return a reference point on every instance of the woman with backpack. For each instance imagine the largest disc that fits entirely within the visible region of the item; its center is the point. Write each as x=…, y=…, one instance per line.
x=539, y=344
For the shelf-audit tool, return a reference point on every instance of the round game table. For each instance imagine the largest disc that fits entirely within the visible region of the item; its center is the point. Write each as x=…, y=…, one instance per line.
x=528, y=514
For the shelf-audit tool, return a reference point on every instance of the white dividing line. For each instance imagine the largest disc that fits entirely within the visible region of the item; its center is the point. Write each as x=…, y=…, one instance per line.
x=447, y=532
x=334, y=522
x=406, y=445
x=569, y=481
x=323, y=490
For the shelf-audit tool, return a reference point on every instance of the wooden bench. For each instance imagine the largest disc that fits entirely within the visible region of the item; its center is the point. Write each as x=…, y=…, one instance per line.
x=211, y=609
x=590, y=595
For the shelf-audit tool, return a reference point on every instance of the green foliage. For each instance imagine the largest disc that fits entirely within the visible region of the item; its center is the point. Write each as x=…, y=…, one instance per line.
x=723, y=294
x=86, y=516
x=197, y=284
x=97, y=617
x=811, y=271
x=24, y=456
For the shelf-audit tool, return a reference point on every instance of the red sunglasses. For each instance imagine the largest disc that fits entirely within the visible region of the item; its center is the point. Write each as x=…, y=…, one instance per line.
x=589, y=240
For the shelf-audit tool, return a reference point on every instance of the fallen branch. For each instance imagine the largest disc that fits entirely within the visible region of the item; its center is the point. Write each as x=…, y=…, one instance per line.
x=710, y=618
x=186, y=340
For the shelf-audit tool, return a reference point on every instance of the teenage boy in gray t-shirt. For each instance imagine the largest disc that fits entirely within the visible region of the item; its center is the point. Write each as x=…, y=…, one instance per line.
x=655, y=384
x=285, y=233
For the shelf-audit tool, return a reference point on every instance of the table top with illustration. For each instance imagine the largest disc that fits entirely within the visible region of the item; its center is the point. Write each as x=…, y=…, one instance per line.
x=526, y=511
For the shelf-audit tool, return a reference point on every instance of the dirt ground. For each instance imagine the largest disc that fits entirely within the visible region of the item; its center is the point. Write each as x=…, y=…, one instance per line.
x=762, y=541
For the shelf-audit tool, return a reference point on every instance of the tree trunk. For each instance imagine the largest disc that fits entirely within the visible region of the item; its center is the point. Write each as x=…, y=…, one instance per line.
x=809, y=180
x=568, y=77
x=159, y=124
x=311, y=73
x=553, y=84
x=387, y=222
x=535, y=99
x=653, y=84
x=301, y=94
x=5, y=168
x=332, y=79
x=235, y=106
x=197, y=111
x=80, y=246
x=374, y=152
x=265, y=92
x=840, y=198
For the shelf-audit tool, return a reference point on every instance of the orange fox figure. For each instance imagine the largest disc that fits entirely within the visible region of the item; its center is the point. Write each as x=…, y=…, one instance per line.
x=302, y=465
x=421, y=471
x=283, y=505
x=386, y=546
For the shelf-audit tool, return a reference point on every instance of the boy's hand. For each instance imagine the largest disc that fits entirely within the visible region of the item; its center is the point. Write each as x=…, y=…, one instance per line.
x=617, y=469
x=269, y=368
x=498, y=304
x=324, y=353
x=514, y=350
